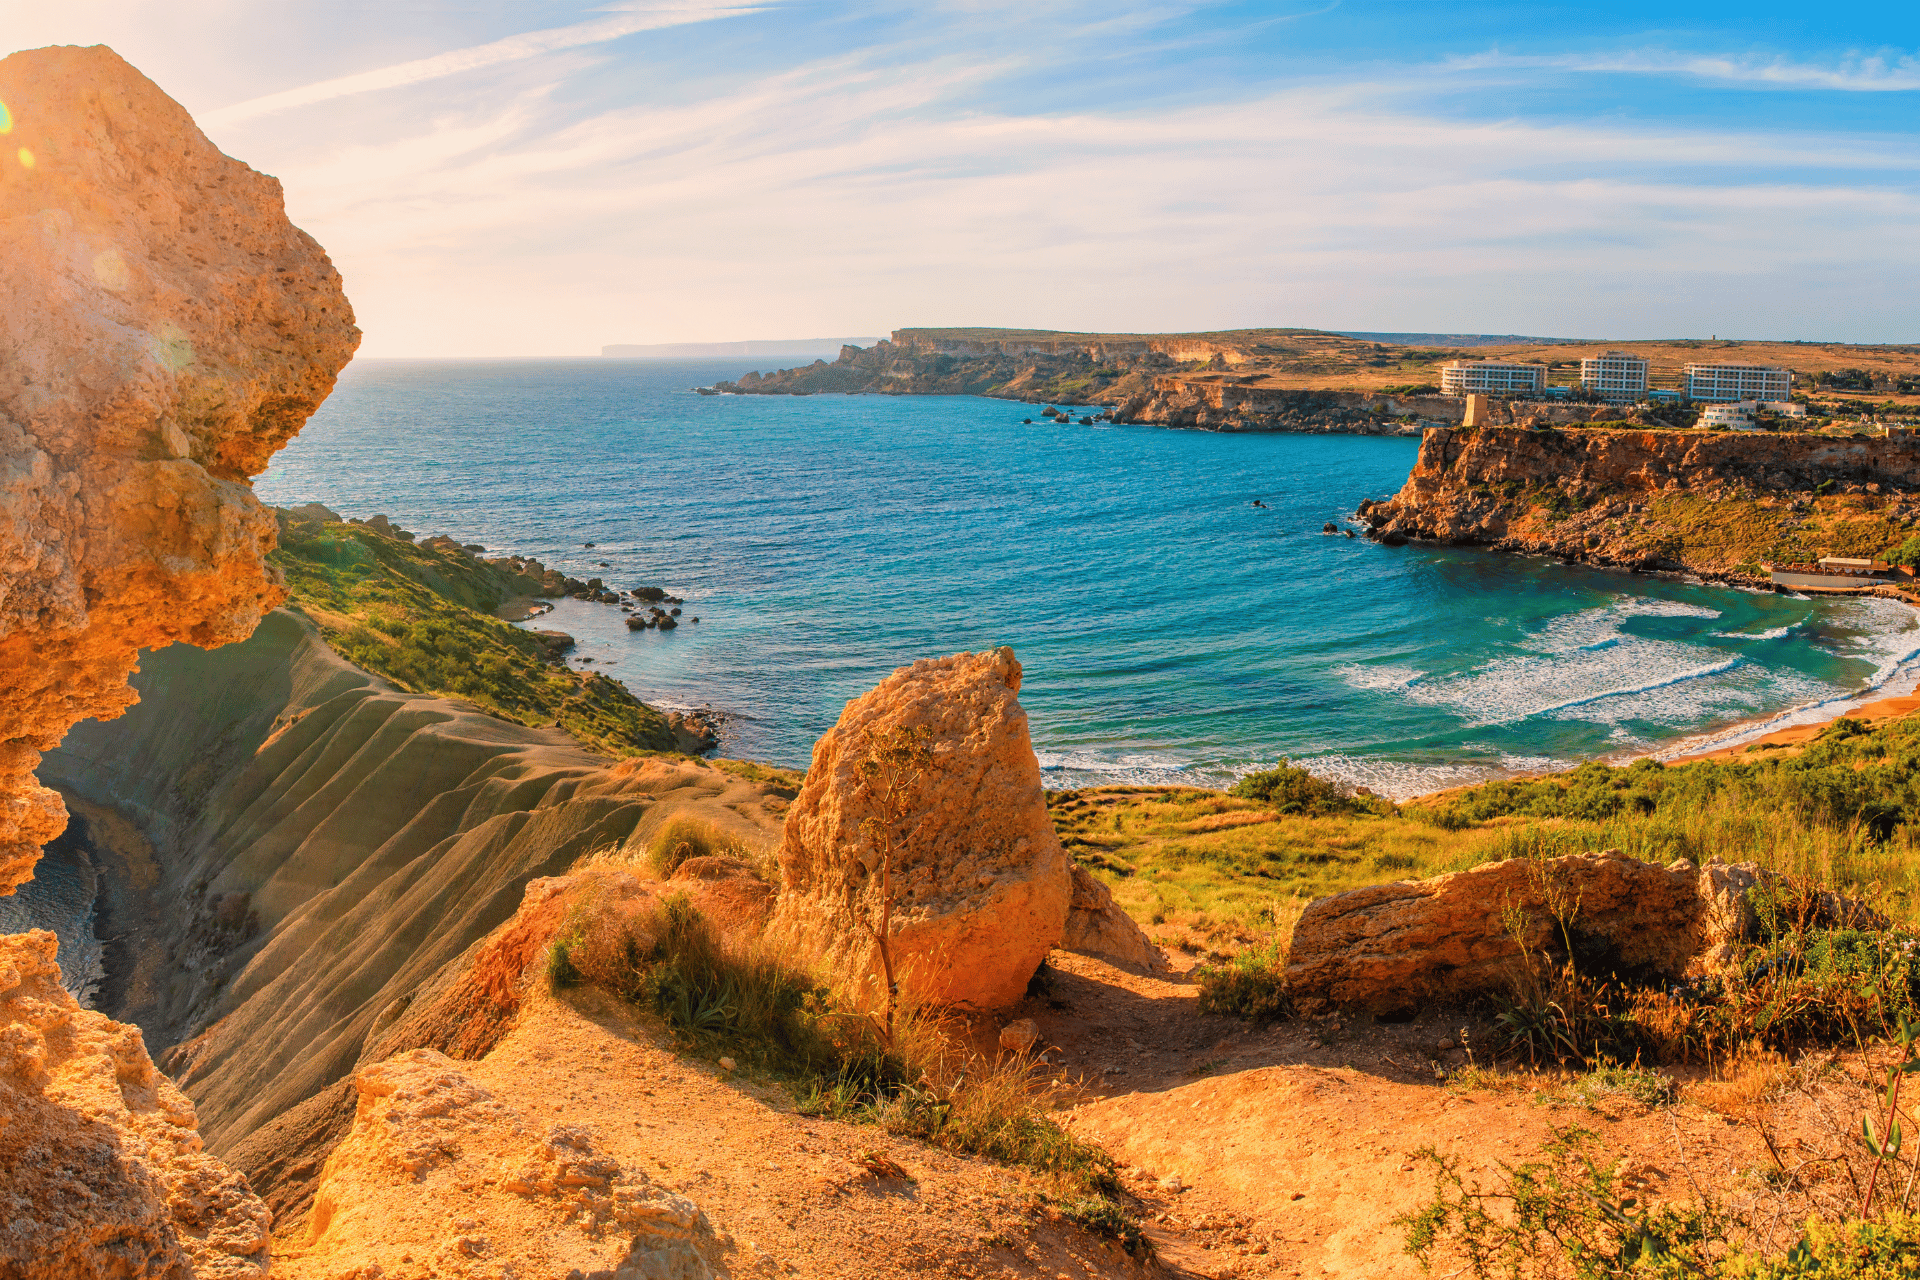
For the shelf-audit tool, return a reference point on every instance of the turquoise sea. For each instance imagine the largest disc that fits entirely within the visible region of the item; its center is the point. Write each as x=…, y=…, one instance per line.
x=1171, y=630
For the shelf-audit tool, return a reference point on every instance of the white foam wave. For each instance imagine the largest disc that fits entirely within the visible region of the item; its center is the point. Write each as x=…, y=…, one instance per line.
x=1357, y=676
x=1401, y=780
x=1772, y=633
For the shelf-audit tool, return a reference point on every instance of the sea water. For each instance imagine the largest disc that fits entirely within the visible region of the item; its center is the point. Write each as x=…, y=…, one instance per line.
x=1180, y=615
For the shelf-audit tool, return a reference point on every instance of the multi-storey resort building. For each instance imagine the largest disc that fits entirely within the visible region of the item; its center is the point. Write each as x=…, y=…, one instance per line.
x=1728, y=383
x=1492, y=377
x=1615, y=376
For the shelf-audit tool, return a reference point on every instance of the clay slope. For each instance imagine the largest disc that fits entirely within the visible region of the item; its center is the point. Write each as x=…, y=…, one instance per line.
x=321, y=845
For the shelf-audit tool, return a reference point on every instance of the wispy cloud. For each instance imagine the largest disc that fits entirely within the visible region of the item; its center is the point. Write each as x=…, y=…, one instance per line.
x=1899, y=74
x=512, y=49
x=866, y=191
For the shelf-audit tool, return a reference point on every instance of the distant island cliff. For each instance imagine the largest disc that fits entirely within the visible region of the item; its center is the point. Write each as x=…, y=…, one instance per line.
x=1312, y=380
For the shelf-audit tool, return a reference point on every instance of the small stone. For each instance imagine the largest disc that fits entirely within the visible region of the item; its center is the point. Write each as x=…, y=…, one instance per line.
x=1446, y=1044
x=1020, y=1036
x=1298, y=1195
x=727, y=1064
x=1172, y=1184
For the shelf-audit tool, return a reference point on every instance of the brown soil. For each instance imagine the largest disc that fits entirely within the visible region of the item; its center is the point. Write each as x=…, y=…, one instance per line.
x=793, y=1193
x=1295, y=1145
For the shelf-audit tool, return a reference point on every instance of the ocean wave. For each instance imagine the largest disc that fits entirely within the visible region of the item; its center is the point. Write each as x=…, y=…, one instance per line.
x=1772, y=633
x=1359, y=676
x=1401, y=780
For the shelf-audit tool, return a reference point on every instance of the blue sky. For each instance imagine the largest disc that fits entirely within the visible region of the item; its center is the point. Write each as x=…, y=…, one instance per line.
x=543, y=178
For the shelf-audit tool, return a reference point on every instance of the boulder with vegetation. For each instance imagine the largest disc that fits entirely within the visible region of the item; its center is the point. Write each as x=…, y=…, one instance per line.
x=1395, y=948
x=923, y=821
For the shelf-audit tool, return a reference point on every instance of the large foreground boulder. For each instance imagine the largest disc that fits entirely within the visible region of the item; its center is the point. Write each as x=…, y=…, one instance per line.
x=981, y=883
x=1393, y=948
x=104, y=1176
x=166, y=330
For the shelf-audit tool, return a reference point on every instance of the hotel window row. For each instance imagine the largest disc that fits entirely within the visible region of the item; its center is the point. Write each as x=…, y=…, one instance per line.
x=1491, y=377
x=1619, y=378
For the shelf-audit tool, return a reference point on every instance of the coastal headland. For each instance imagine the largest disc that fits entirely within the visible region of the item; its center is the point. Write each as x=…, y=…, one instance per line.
x=1301, y=379
x=1720, y=505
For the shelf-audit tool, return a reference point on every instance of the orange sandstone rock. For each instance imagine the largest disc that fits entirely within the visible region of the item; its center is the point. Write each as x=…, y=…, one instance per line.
x=981, y=882
x=1391, y=948
x=167, y=329
x=101, y=1171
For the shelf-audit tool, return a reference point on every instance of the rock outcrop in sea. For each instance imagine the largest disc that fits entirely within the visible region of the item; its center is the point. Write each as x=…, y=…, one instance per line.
x=167, y=329
x=982, y=886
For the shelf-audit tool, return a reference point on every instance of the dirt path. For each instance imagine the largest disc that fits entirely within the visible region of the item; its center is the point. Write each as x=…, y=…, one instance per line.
x=1294, y=1147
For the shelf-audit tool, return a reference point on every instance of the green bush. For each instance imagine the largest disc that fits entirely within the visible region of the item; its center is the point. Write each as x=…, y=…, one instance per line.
x=1287, y=788
x=1883, y=1249
x=1251, y=985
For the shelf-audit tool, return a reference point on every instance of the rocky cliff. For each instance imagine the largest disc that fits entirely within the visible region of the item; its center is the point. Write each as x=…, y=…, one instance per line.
x=1715, y=503
x=167, y=329
x=171, y=330
x=1218, y=402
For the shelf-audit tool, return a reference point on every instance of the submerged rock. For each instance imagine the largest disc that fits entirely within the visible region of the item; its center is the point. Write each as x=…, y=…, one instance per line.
x=982, y=885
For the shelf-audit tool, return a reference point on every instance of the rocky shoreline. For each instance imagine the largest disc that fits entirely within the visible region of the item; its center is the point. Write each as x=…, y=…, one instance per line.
x=1716, y=505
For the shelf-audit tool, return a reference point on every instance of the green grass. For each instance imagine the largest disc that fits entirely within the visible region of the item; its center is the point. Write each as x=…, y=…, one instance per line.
x=422, y=618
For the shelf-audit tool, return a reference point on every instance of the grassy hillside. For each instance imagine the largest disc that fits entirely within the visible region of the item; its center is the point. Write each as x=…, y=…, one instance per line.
x=422, y=616
x=1210, y=869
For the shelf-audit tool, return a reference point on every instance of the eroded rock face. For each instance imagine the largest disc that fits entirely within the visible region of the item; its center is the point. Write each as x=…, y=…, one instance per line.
x=101, y=1171
x=166, y=330
x=982, y=885
x=1391, y=948
x=528, y=1201
x=1097, y=926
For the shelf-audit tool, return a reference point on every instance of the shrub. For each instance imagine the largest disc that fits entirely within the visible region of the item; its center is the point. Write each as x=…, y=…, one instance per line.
x=1251, y=985
x=684, y=838
x=1855, y=1250
x=1287, y=788
x=1563, y=1215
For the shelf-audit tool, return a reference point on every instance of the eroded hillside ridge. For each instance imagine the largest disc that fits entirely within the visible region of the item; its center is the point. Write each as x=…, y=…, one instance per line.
x=315, y=847
x=1710, y=502
x=173, y=329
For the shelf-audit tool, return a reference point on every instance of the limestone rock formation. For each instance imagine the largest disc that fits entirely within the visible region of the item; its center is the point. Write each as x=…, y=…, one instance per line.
x=1096, y=926
x=1608, y=497
x=1391, y=948
x=103, y=1174
x=438, y=1177
x=981, y=883
x=167, y=330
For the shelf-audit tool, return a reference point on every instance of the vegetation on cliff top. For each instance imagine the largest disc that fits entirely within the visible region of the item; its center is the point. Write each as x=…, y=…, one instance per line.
x=421, y=616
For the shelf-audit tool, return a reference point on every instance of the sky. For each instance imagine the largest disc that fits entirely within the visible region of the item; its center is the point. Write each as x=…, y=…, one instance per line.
x=541, y=178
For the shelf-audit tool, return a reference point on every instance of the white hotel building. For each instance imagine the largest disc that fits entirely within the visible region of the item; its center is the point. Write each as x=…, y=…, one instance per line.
x=1729, y=383
x=1493, y=378
x=1615, y=376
